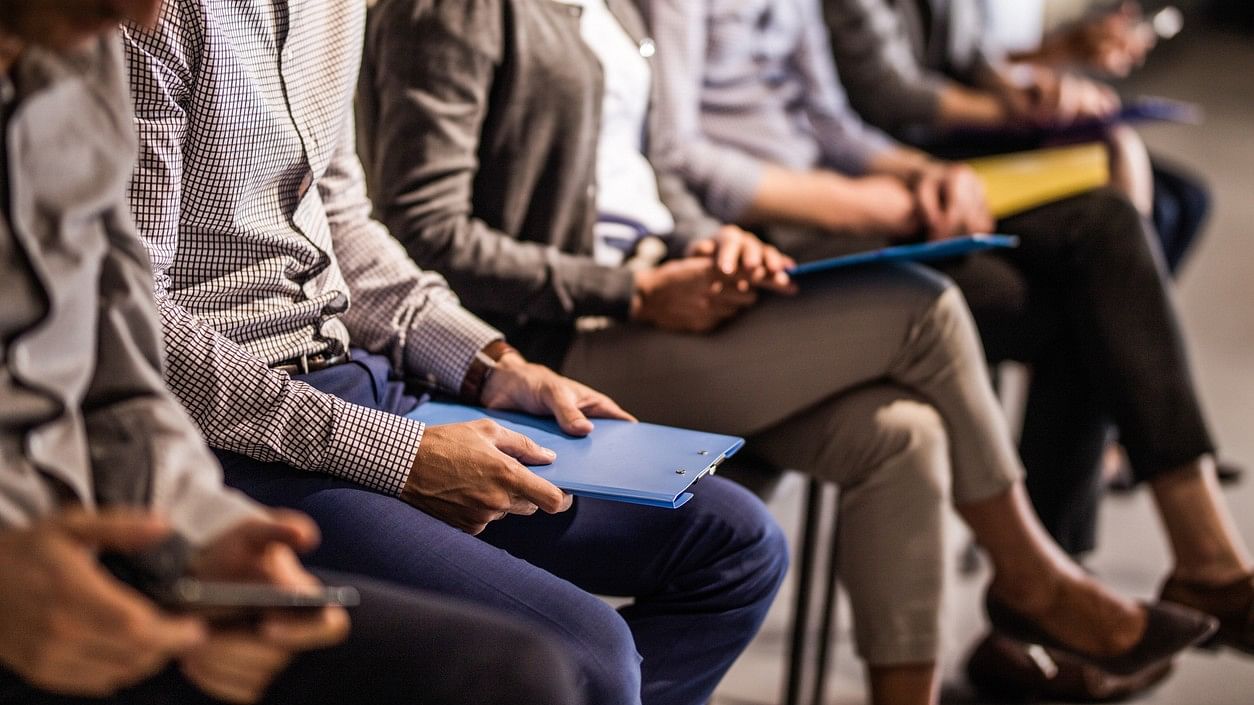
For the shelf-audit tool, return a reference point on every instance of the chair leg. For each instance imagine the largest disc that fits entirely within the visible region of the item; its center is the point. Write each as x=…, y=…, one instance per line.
x=827, y=631
x=801, y=603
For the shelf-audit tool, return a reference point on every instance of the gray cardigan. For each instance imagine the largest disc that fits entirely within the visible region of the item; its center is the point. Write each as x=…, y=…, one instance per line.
x=895, y=56
x=478, y=128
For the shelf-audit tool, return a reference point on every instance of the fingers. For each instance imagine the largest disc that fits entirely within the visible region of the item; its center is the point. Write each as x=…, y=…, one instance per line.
x=729, y=248
x=235, y=667
x=284, y=527
x=777, y=265
x=598, y=405
x=927, y=198
x=118, y=530
x=703, y=248
x=540, y=492
x=520, y=447
x=751, y=255
x=561, y=401
x=299, y=631
x=521, y=482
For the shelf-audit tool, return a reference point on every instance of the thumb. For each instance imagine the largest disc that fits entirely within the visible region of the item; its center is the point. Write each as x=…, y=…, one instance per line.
x=285, y=527
x=115, y=529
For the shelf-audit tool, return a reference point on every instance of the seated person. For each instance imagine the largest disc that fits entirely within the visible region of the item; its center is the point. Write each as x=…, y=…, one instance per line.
x=873, y=380
x=921, y=69
x=907, y=79
x=764, y=133
x=96, y=455
x=270, y=275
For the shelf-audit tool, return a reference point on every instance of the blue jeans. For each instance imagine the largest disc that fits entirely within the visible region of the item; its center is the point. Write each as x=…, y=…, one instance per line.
x=702, y=576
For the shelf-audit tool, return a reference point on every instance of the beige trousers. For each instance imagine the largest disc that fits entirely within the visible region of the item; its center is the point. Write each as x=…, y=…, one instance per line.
x=873, y=379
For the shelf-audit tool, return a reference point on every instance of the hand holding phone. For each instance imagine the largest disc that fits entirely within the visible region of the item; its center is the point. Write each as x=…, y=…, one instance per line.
x=261, y=606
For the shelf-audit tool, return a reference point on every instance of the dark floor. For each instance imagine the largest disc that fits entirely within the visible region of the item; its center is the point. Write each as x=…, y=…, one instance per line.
x=1216, y=69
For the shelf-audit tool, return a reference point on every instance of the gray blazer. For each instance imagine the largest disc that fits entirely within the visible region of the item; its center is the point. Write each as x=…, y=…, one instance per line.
x=895, y=56
x=478, y=124
x=84, y=416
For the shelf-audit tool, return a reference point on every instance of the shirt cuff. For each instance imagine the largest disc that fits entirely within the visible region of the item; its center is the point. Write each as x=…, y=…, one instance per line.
x=734, y=186
x=444, y=343
x=373, y=448
x=209, y=509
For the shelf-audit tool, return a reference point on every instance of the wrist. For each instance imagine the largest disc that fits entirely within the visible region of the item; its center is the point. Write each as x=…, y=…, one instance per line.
x=482, y=368
x=642, y=288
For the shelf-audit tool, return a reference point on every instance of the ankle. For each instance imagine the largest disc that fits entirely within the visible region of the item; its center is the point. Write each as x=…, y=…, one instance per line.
x=1031, y=597
x=1210, y=574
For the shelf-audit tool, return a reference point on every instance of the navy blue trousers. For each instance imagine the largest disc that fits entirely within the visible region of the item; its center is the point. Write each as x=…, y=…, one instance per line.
x=700, y=578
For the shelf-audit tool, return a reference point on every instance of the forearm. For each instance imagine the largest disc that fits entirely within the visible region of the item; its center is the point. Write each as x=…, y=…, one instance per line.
x=822, y=199
x=961, y=106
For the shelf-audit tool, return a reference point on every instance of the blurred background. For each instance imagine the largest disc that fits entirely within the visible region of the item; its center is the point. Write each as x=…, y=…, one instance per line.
x=1211, y=63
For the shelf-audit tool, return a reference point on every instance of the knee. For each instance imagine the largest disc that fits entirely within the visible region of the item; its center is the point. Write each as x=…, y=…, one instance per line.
x=915, y=446
x=1109, y=221
x=752, y=543
x=540, y=672
x=603, y=652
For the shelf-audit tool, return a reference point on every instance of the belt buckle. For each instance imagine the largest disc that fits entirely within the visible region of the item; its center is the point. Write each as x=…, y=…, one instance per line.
x=302, y=363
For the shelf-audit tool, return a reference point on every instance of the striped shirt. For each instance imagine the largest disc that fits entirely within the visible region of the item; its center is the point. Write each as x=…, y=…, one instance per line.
x=751, y=83
x=251, y=201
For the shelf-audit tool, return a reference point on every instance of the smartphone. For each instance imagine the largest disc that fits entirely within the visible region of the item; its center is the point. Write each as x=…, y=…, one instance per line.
x=160, y=574
x=193, y=595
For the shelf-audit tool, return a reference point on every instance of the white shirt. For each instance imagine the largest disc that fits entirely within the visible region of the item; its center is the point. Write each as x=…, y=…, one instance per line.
x=626, y=183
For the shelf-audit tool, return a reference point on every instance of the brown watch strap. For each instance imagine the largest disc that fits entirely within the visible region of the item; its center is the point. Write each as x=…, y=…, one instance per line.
x=481, y=368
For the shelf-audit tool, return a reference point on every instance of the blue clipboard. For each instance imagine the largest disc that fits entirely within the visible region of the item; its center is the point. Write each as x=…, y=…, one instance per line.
x=1136, y=110
x=638, y=463
x=920, y=252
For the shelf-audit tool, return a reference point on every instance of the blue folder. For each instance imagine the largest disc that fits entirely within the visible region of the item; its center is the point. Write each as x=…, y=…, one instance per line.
x=1136, y=110
x=920, y=252
x=622, y=461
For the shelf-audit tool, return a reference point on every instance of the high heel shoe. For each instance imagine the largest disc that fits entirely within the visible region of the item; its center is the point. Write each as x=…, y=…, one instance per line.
x=1007, y=670
x=1169, y=629
x=1231, y=604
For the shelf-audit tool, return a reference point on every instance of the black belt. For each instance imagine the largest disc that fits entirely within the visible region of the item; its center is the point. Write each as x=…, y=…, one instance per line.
x=305, y=364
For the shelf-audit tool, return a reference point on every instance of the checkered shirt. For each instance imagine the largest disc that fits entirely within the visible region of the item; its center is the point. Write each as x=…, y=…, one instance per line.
x=251, y=201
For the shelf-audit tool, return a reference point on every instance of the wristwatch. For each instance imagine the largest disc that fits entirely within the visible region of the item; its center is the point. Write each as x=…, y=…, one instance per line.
x=481, y=369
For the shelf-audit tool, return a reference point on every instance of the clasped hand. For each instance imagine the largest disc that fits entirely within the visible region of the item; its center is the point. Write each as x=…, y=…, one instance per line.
x=720, y=277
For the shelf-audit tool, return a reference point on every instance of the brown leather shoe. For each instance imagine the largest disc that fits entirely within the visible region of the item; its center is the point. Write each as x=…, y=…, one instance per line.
x=1007, y=670
x=1231, y=604
x=1169, y=629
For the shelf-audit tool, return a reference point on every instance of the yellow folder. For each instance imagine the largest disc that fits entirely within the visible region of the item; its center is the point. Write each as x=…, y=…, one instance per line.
x=1017, y=182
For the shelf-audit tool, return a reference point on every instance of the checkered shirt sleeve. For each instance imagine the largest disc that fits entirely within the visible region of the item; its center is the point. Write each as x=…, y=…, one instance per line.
x=253, y=266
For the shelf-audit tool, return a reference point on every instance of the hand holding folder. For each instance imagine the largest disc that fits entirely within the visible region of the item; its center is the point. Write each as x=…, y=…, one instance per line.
x=622, y=461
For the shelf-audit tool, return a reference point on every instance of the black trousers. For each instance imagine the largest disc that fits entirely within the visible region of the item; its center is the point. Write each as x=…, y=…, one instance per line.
x=405, y=648
x=1086, y=302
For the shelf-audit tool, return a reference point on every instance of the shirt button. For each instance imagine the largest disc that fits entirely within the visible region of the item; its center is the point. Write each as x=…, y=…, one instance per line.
x=647, y=48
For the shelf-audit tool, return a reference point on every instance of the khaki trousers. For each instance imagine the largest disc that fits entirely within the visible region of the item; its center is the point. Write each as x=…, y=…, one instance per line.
x=873, y=379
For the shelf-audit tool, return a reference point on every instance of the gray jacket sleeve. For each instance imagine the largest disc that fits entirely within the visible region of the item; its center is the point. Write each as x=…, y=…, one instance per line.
x=132, y=420
x=441, y=60
x=878, y=66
